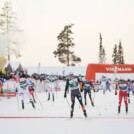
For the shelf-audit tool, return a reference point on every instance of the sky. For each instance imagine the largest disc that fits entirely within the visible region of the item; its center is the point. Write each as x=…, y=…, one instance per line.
x=43, y=20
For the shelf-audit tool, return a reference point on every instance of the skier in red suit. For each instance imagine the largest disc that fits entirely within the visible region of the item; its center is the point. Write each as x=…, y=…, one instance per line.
x=123, y=94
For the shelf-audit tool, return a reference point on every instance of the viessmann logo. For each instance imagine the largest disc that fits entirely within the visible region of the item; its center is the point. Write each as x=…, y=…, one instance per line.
x=119, y=69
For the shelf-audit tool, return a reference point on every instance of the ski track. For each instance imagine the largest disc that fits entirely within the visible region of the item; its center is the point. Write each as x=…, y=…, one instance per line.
x=54, y=117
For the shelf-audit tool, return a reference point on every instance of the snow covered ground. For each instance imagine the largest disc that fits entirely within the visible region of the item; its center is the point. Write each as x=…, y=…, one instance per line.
x=52, y=117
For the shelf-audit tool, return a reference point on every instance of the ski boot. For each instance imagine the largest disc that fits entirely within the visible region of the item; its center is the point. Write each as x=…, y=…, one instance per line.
x=32, y=104
x=71, y=114
x=34, y=101
x=85, y=114
x=53, y=98
x=22, y=102
x=115, y=92
x=126, y=110
x=118, y=109
x=128, y=100
x=92, y=104
x=16, y=90
x=48, y=97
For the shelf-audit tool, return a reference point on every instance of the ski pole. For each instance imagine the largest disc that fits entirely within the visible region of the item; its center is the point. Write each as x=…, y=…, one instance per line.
x=93, y=97
x=17, y=101
x=39, y=101
x=67, y=102
x=82, y=96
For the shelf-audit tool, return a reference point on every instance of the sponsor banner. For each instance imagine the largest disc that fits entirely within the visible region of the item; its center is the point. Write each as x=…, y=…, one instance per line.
x=116, y=69
x=8, y=94
x=92, y=69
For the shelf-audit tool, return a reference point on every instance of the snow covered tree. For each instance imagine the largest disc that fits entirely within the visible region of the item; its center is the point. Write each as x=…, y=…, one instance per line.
x=102, y=54
x=120, y=57
x=115, y=55
x=64, y=53
x=8, y=27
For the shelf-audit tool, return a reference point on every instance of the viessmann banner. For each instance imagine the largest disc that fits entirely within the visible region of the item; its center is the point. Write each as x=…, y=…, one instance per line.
x=92, y=69
x=116, y=68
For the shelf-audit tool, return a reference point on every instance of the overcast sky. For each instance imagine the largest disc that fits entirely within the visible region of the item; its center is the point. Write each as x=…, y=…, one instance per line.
x=43, y=20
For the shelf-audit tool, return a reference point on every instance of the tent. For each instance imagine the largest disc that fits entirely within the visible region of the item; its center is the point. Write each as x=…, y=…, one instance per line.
x=120, y=71
x=11, y=66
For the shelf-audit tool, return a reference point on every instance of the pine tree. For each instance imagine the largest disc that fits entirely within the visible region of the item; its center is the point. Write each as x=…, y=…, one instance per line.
x=63, y=52
x=120, y=57
x=102, y=54
x=114, y=55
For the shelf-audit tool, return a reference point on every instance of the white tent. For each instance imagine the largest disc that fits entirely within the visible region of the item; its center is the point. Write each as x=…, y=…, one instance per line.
x=14, y=64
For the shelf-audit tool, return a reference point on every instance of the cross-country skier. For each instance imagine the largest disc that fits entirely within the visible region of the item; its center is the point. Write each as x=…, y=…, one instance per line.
x=16, y=77
x=123, y=94
x=87, y=86
x=132, y=86
x=105, y=85
x=129, y=89
x=72, y=84
x=116, y=86
x=30, y=84
x=51, y=86
x=23, y=91
x=1, y=85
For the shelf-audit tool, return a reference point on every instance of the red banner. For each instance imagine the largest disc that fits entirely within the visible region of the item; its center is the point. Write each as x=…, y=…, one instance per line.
x=107, y=68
